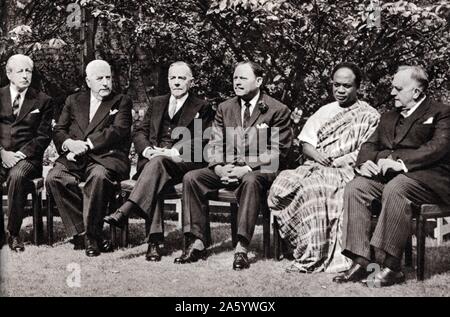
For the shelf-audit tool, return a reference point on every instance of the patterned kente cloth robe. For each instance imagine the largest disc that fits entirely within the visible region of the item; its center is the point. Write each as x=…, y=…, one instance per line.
x=308, y=201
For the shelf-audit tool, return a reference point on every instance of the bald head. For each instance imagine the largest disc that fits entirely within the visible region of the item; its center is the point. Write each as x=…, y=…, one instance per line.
x=19, y=70
x=98, y=78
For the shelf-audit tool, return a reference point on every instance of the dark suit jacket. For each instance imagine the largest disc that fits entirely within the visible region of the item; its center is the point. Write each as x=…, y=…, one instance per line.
x=247, y=149
x=31, y=132
x=423, y=144
x=148, y=132
x=109, y=131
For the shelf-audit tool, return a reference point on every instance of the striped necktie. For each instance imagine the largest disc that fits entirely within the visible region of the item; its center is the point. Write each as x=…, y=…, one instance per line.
x=15, y=105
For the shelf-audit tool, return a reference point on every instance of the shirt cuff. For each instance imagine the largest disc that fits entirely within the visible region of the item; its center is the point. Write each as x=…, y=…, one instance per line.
x=249, y=168
x=91, y=146
x=64, y=146
x=403, y=166
x=145, y=150
x=174, y=152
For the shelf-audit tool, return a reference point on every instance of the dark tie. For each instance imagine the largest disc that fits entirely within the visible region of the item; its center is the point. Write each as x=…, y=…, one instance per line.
x=246, y=114
x=15, y=105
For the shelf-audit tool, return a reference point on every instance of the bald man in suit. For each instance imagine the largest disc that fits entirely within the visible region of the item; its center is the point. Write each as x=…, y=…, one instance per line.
x=93, y=139
x=25, y=132
x=163, y=158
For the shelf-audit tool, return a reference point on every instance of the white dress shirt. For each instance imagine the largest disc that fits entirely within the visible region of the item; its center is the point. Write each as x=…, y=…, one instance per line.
x=14, y=92
x=252, y=106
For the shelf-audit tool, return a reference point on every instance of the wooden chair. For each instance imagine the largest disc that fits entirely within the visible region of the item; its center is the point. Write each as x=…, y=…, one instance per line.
x=111, y=208
x=422, y=214
x=223, y=195
x=35, y=188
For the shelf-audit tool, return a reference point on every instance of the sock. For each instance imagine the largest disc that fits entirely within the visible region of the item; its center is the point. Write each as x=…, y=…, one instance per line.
x=392, y=263
x=198, y=244
x=127, y=208
x=241, y=247
x=361, y=261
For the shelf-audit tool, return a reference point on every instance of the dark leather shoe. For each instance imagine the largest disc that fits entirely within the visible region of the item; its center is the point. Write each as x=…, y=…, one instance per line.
x=354, y=274
x=153, y=253
x=386, y=277
x=191, y=255
x=16, y=244
x=78, y=242
x=117, y=219
x=91, y=247
x=240, y=261
x=105, y=245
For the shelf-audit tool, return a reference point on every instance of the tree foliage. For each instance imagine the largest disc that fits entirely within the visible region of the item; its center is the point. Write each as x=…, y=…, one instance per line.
x=297, y=42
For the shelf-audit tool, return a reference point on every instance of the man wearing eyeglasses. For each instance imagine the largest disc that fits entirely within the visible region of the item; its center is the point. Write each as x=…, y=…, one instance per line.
x=405, y=162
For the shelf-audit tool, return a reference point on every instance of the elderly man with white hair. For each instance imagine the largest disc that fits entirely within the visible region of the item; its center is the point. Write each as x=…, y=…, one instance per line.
x=93, y=139
x=405, y=162
x=25, y=132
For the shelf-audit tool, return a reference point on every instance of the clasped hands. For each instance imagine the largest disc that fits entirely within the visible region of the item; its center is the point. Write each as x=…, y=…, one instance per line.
x=155, y=151
x=10, y=158
x=75, y=148
x=230, y=174
x=369, y=168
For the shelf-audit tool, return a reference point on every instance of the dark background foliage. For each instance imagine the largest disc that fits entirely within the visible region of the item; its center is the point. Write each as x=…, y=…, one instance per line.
x=297, y=42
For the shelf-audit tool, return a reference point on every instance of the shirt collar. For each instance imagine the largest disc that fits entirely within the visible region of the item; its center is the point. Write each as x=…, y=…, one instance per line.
x=252, y=102
x=14, y=92
x=410, y=111
x=95, y=100
x=180, y=101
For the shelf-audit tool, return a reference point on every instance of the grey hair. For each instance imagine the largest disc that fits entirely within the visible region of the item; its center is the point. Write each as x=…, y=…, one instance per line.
x=179, y=63
x=13, y=59
x=418, y=74
x=96, y=62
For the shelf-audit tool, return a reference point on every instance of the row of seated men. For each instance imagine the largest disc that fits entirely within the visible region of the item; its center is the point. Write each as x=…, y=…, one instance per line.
x=400, y=159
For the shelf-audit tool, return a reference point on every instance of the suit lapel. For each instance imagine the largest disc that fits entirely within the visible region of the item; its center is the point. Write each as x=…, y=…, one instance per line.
x=82, y=112
x=390, y=126
x=158, y=112
x=188, y=112
x=5, y=101
x=237, y=113
x=416, y=115
x=100, y=114
x=27, y=104
x=256, y=112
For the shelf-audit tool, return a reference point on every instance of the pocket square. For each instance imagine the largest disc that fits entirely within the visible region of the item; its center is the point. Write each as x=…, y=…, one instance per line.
x=429, y=120
x=113, y=112
x=262, y=126
x=35, y=111
x=197, y=115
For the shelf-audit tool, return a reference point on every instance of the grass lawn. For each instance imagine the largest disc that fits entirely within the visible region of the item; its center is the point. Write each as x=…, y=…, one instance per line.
x=43, y=271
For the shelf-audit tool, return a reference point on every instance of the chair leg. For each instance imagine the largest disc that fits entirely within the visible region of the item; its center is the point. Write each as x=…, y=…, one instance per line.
x=408, y=252
x=49, y=218
x=37, y=219
x=125, y=234
x=234, y=211
x=266, y=231
x=2, y=220
x=112, y=232
x=276, y=240
x=420, y=247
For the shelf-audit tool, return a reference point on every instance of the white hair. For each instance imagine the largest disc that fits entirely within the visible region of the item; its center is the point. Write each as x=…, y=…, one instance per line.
x=94, y=64
x=16, y=58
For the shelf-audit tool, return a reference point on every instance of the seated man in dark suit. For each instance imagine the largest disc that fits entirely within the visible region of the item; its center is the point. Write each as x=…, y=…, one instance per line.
x=405, y=162
x=164, y=159
x=93, y=139
x=251, y=137
x=25, y=132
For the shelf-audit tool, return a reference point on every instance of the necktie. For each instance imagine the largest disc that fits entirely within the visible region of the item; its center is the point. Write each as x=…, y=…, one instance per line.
x=15, y=105
x=172, y=108
x=246, y=114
